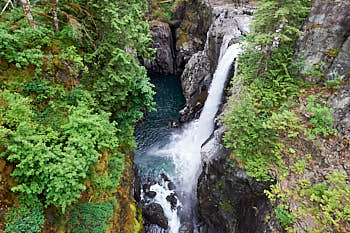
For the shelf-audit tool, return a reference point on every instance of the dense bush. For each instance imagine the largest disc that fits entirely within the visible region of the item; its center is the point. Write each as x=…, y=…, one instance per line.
x=268, y=72
x=72, y=91
x=328, y=202
x=91, y=217
x=28, y=218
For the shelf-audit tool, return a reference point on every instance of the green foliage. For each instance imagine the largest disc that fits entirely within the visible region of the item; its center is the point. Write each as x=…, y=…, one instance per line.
x=268, y=72
x=115, y=79
x=110, y=177
x=115, y=168
x=333, y=83
x=53, y=163
x=91, y=217
x=328, y=202
x=25, y=46
x=283, y=215
x=56, y=163
x=14, y=110
x=317, y=70
x=253, y=141
x=26, y=218
x=321, y=119
x=275, y=19
x=299, y=167
x=284, y=121
x=73, y=94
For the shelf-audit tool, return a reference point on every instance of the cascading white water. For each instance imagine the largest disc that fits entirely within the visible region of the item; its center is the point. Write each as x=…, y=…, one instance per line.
x=184, y=147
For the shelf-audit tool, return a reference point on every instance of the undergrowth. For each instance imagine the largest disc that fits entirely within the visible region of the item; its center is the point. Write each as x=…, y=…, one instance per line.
x=262, y=120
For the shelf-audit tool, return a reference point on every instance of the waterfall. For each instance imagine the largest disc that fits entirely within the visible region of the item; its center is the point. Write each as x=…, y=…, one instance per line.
x=184, y=146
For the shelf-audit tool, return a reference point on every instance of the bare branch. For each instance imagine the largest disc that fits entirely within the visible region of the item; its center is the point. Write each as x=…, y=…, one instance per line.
x=26, y=8
x=8, y=2
x=55, y=18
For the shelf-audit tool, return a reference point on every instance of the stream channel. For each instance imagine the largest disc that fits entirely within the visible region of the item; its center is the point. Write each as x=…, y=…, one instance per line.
x=169, y=158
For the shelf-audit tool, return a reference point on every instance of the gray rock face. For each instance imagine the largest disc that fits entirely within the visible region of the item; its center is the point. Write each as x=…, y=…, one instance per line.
x=162, y=40
x=195, y=82
x=192, y=20
x=229, y=201
x=340, y=103
x=229, y=24
x=326, y=39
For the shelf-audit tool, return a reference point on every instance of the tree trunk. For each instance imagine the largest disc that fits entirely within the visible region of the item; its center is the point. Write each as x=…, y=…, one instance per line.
x=26, y=8
x=55, y=18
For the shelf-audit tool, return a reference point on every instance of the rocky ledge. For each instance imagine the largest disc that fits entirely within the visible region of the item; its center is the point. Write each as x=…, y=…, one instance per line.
x=228, y=25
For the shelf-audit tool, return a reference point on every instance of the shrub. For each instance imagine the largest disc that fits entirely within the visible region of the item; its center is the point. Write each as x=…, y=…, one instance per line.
x=328, y=203
x=91, y=217
x=283, y=215
x=28, y=218
x=252, y=139
x=321, y=119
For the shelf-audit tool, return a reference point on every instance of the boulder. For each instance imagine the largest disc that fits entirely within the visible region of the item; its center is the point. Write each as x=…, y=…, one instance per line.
x=173, y=200
x=151, y=194
x=171, y=186
x=154, y=214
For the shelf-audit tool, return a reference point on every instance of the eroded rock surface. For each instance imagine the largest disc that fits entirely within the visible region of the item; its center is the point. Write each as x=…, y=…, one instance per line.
x=192, y=21
x=154, y=214
x=229, y=201
x=326, y=39
x=326, y=42
x=228, y=25
x=163, y=42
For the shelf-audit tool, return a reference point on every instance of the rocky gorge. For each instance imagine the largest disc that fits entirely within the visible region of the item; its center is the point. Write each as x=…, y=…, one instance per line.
x=228, y=199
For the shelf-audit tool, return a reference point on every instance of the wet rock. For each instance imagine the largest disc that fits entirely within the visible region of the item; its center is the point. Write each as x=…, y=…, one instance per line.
x=164, y=177
x=151, y=194
x=154, y=214
x=173, y=124
x=173, y=200
x=171, y=186
x=146, y=186
x=186, y=228
x=163, y=42
x=137, y=184
x=229, y=24
x=195, y=81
